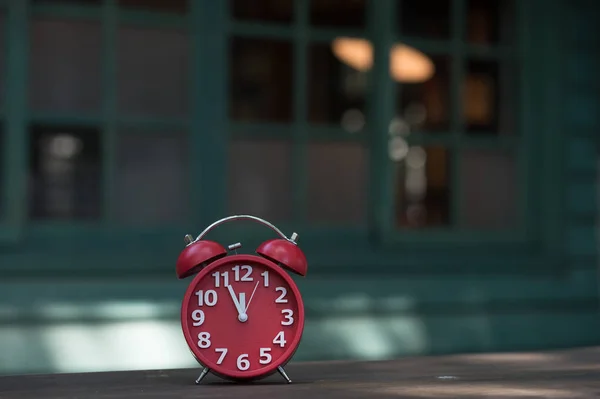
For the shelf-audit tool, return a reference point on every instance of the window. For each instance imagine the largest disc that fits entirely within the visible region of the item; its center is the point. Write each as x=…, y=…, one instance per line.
x=65, y=173
x=298, y=146
x=312, y=136
x=454, y=134
x=108, y=135
x=301, y=143
x=65, y=66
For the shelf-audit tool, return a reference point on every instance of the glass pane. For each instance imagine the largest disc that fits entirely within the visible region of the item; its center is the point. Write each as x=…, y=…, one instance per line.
x=336, y=92
x=66, y=65
x=261, y=80
x=425, y=105
x=260, y=177
x=337, y=182
x=424, y=18
x=490, y=21
x=422, y=185
x=151, y=178
x=153, y=72
x=173, y=6
x=489, y=98
x=65, y=169
x=341, y=13
x=280, y=11
x=488, y=189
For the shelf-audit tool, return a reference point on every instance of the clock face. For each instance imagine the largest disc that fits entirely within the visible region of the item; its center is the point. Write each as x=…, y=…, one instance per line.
x=242, y=316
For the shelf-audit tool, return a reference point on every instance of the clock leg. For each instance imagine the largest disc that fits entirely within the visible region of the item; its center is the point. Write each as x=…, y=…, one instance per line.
x=202, y=375
x=284, y=374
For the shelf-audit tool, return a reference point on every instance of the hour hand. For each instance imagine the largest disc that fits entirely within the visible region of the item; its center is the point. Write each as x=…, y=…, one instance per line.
x=238, y=305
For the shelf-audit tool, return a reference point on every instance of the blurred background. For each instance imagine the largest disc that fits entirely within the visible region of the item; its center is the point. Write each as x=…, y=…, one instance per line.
x=438, y=159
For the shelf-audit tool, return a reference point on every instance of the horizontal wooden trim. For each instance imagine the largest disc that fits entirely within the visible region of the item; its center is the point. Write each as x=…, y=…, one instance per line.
x=147, y=260
x=126, y=17
x=66, y=119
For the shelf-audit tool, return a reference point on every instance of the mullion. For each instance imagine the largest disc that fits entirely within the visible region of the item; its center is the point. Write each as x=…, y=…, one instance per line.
x=381, y=106
x=458, y=14
x=299, y=149
x=526, y=154
x=109, y=105
x=16, y=137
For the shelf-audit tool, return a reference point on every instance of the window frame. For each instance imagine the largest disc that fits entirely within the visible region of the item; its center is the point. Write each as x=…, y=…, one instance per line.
x=454, y=140
x=537, y=230
x=12, y=219
x=371, y=243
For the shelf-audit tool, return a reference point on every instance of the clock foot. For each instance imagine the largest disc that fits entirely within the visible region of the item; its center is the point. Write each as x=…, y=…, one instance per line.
x=284, y=374
x=202, y=375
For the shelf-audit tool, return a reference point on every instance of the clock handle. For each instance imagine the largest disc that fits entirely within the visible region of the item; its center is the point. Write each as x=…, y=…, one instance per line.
x=292, y=239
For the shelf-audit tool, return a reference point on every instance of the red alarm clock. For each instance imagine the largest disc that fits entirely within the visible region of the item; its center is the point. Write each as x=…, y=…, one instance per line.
x=242, y=316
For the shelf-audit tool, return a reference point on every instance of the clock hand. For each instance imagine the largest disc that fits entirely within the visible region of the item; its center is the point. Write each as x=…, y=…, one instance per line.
x=251, y=296
x=238, y=306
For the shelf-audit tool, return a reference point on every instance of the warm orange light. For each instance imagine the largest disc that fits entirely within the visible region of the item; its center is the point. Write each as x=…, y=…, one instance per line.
x=407, y=65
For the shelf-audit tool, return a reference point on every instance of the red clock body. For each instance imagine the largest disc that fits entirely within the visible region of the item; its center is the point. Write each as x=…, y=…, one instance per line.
x=242, y=317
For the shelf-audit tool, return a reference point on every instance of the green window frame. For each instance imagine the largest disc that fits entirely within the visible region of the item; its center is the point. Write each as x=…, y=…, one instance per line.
x=537, y=238
x=210, y=26
x=12, y=119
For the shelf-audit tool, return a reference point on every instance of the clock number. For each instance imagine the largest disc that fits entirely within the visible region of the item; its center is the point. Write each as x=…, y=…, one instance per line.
x=245, y=277
x=223, y=352
x=281, y=298
x=280, y=339
x=198, y=317
x=218, y=276
x=204, y=340
x=265, y=276
x=243, y=363
x=289, y=320
x=208, y=298
x=265, y=356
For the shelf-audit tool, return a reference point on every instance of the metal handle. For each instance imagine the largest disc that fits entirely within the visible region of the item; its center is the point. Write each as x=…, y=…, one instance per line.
x=292, y=239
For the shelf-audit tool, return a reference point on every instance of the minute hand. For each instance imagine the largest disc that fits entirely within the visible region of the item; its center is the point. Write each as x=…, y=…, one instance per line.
x=251, y=296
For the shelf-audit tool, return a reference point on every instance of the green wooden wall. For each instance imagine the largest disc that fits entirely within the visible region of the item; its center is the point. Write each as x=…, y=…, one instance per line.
x=362, y=302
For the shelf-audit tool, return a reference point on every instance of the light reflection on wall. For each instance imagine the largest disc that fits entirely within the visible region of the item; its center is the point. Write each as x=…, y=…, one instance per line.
x=141, y=335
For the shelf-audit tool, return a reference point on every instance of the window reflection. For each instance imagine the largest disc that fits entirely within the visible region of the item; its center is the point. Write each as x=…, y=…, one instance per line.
x=261, y=85
x=488, y=189
x=260, y=178
x=337, y=182
x=338, y=13
x=428, y=19
x=153, y=74
x=426, y=105
x=65, y=172
x=490, y=21
x=336, y=92
x=151, y=177
x=65, y=65
x=489, y=95
x=422, y=185
x=279, y=11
